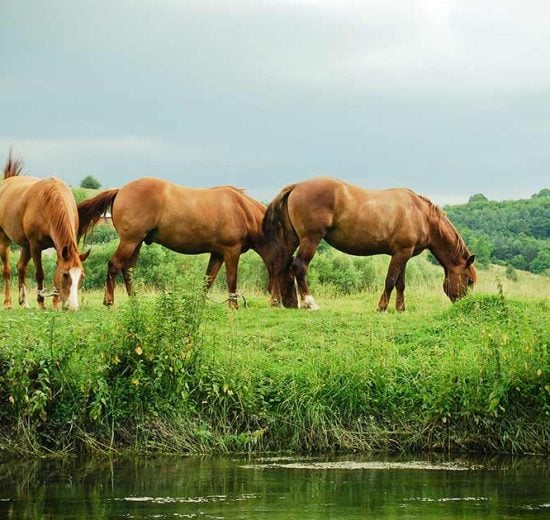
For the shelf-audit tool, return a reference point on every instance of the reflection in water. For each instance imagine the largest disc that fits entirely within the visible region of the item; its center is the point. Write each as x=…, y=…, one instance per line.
x=230, y=488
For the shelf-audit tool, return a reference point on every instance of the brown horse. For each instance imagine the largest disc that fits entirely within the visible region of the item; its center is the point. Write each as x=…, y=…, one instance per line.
x=396, y=222
x=222, y=221
x=38, y=214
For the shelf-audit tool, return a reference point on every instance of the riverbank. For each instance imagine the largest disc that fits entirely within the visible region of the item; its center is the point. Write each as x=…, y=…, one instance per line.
x=172, y=372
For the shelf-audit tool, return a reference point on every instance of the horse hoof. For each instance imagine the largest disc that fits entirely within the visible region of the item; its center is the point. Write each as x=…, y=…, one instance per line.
x=108, y=303
x=310, y=303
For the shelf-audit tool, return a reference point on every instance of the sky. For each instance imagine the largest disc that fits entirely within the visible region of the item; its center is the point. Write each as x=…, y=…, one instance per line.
x=449, y=98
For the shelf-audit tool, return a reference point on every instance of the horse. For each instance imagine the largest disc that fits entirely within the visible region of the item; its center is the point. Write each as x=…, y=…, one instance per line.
x=222, y=221
x=38, y=214
x=397, y=222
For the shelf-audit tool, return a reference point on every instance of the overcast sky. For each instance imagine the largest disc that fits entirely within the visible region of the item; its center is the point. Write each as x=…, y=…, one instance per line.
x=449, y=98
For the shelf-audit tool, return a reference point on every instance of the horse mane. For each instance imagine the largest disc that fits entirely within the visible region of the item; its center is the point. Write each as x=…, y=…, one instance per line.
x=13, y=167
x=460, y=250
x=243, y=192
x=62, y=230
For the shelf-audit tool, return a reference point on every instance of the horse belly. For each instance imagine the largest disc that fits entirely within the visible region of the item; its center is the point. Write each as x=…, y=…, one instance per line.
x=358, y=242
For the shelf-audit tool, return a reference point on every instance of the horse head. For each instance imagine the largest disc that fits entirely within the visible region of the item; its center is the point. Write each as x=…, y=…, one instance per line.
x=68, y=275
x=460, y=278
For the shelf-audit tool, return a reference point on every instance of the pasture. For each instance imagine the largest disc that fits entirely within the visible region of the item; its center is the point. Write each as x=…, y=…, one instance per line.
x=172, y=371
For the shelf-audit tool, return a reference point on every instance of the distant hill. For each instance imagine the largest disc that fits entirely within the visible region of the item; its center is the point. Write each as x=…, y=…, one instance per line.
x=512, y=232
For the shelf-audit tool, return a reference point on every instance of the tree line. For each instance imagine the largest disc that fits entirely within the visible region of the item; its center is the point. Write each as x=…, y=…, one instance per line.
x=513, y=232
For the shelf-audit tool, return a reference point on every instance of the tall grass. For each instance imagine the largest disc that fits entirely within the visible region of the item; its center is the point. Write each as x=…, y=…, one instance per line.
x=170, y=370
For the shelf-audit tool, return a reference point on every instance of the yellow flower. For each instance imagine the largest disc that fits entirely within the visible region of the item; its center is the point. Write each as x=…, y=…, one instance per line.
x=139, y=350
x=135, y=381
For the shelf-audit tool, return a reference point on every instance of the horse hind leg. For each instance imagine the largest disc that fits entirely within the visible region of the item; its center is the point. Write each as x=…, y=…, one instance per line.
x=128, y=271
x=120, y=261
x=6, y=272
x=299, y=267
x=22, y=266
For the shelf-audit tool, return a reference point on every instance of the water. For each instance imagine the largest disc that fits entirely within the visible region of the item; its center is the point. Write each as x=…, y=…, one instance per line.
x=277, y=488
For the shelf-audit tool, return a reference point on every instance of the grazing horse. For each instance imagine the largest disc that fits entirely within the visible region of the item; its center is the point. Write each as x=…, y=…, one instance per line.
x=222, y=221
x=396, y=222
x=38, y=214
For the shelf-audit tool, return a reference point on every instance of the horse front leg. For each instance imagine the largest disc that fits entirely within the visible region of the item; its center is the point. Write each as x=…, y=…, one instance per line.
x=400, y=290
x=214, y=264
x=6, y=272
x=299, y=268
x=39, y=273
x=396, y=270
x=22, y=265
x=231, y=259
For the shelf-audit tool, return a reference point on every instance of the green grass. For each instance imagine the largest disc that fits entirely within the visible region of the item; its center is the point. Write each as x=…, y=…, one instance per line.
x=171, y=371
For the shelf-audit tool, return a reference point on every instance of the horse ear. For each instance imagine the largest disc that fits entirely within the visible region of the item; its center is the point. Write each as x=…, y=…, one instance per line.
x=85, y=255
x=470, y=260
x=65, y=253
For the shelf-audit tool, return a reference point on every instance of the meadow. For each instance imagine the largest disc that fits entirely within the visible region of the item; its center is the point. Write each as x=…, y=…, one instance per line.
x=174, y=371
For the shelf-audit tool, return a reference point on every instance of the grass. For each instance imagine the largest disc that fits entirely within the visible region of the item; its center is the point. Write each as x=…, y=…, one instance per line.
x=172, y=371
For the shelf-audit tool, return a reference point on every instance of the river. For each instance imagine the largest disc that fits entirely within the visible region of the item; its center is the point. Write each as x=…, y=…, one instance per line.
x=299, y=488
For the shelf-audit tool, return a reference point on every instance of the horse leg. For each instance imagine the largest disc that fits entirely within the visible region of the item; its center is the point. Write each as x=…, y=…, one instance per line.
x=22, y=265
x=213, y=268
x=397, y=265
x=39, y=273
x=299, y=267
x=128, y=270
x=400, y=290
x=118, y=262
x=231, y=259
x=5, y=255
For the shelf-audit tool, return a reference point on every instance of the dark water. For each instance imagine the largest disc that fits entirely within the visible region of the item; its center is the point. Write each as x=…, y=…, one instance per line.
x=279, y=488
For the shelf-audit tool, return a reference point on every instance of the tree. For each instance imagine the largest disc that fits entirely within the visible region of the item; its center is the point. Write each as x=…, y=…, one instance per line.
x=90, y=182
x=478, y=197
x=545, y=192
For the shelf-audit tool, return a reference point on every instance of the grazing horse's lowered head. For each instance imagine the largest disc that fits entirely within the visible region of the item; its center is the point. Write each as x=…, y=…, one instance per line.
x=460, y=279
x=68, y=275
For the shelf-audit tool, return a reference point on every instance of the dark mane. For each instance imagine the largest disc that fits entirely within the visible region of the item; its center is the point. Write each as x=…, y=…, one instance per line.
x=460, y=250
x=13, y=167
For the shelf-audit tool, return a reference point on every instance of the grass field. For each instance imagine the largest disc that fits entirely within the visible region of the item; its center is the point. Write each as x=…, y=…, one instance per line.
x=172, y=371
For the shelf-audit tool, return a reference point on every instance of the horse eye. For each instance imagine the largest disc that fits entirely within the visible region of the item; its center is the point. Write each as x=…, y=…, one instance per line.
x=66, y=276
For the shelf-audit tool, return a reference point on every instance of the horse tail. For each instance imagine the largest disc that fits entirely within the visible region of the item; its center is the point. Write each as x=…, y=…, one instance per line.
x=13, y=167
x=91, y=210
x=276, y=215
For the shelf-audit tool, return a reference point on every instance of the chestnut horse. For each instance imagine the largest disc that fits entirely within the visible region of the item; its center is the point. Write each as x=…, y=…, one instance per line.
x=396, y=222
x=38, y=214
x=222, y=221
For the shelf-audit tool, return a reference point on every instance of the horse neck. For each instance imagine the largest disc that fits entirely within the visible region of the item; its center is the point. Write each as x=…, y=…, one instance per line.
x=445, y=243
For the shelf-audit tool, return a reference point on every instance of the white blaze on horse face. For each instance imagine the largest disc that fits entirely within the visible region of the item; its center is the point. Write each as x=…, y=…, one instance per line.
x=309, y=303
x=75, y=273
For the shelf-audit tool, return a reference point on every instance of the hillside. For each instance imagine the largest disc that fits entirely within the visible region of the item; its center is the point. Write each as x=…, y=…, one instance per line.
x=512, y=232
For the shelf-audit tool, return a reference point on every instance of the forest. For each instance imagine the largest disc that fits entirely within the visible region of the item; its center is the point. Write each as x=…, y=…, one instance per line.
x=514, y=232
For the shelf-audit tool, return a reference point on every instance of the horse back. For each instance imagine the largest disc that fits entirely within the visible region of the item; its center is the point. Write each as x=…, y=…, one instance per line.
x=187, y=220
x=357, y=220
